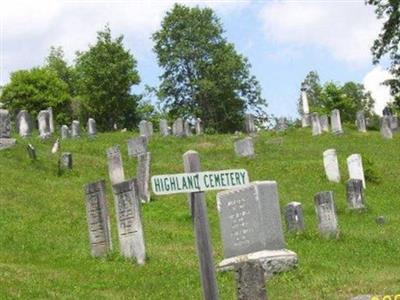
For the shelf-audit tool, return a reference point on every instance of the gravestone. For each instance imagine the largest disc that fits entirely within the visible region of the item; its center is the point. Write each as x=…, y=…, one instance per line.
x=199, y=126
x=331, y=165
x=294, y=217
x=91, y=127
x=137, y=146
x=115, y=167
x=24, y=123
x=5, y=124
x=177, y=127
x=251, y=227
x=281, y=124
x=51, y=120
x=164, y=127
x=305, y=120
x=326, y=214
x=355, y=194
x=187, y=128
x=150, y=128
x=64, y=132
x=145, y=128
x=75, y=129
x=244, y=147
x=386, y=132
x=336, y=123
x=360, y=121
x=97, y=219
x=394, y=123
x=31, y=151
x=249, y=124
x=130, y=231
x=324, y=121
x=250, y=281
x=355, y=166
x=44, y=124
x=66, y=161
x=143, y=176
x=315, y=124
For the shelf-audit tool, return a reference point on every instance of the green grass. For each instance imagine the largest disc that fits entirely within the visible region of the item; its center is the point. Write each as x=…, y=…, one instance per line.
x=44, y=248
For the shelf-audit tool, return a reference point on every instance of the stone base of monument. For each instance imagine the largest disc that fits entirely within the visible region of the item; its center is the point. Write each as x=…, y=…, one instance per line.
x=7, y=143
x=273, y=261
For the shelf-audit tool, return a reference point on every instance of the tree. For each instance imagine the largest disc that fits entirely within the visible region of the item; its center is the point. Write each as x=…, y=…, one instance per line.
x=314, y=89
x=388, y=41
x=203, y=74
x=105, y=76
x=37, y=89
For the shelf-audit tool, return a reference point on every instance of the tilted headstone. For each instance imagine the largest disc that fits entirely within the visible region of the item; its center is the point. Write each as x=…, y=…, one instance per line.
x=31, y=151
x=294, y=217
x=5, y=124
x=331, y=165
x=44, y=124
x=326, y=214
x=386, y=132
x=394, y=123
x=130, y=231
x=91, y=127
x=249, y=124
x=137, y=146
x=97, y=219
x=115, y=167
x=24, y=123
x=66, y=161
x=51, y=119
x=199, y=126
x=164, y=127
x=360, y=121
x=143, y=176
x=244, y=147
x=187, y=128
x=355, y=194
x=315, y=124
x=64, y=132
x=324, y=121
x=75, y=129
x=355, y=166
x=177, y=127
x=336, y=123
x=250, y=281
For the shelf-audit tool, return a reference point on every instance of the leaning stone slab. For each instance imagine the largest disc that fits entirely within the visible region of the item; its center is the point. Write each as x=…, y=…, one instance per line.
x=324, y=121
x=64, y=132
x=44, y=124
x=130, y=232
x=326, y=213
x=91, y=127
x=75, y=129
x=336, y=123
x=244, y=147
x=315, y=124
x=97, y=218
x=360, y=121
x=137, y=146
x=115, y=167
x=386, y=131
x=187, y=128
x=51, y=119
x=143, y=176
x=177, y=128
x=355, y=166
x=294, y=217
x=355, y=194
x=24, y=124
x=146, y=128
x=164, y=127
x=331, y=165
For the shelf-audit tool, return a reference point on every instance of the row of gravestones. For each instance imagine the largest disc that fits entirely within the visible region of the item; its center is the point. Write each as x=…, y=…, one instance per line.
x=179, y=128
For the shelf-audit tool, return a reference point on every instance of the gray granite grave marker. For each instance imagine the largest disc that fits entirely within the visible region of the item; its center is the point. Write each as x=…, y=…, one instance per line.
x=5, y=124
x=187, y=128
x=177, y=128
x=315, y=124
x=326, y=213
x=51, y=119
x=66, y=161
x=75, y=129
x=386, y=131
x=24, y=123
x=355, y=194
x=244, y=147
x=115, y=167
x=324, y=121
x=164, y=127
x=44, y=124
x=249, y=124
x=360, y=121
x=336, y=123
x=137, y=146
x=143, y=176
x=294, y=217
x=91, y=127
x=250, y=281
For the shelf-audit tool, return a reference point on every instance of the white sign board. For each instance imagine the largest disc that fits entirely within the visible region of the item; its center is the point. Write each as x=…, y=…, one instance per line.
x=198, y=182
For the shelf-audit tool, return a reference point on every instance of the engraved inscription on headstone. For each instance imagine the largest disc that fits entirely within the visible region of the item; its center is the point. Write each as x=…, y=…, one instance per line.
x=326, y=213
x=355, y=194
x=331, y=165
x=137, y=146
x=115, y=167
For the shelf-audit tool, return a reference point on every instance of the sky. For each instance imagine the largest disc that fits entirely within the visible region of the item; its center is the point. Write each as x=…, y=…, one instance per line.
x=283, y=40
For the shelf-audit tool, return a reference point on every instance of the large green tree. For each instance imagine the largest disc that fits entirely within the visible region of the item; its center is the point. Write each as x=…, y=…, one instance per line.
x=105, y=76
x=388, y=41
x=203, y=74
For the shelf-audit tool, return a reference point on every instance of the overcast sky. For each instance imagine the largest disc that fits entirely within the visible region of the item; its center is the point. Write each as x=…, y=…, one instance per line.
x=283, y=40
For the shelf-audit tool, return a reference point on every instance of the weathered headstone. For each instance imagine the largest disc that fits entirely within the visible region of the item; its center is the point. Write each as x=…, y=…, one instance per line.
x=115, y=167
x=324, y=121
x=326, y=213
x=187, y=128
x=315, y=124
x=66, y=161
x=355, y=166
x=336, y=123
x=331, y=165
x=137, y=146
x=44, y=124
x=355, y=194
x=130, y=231
x=164, y=127
x=177, y=127
x=145, y=128
x=244, y=147
x=143, y=176
x=394, y=123
x=250, y=280
x=51, y=120
x=64, y=132
x=5, y=124
x=281, y=124
x=97, y=219
x=249, y=124
x=91, y=127
x=24, y=123
x=75, y=129
x=305, y=121
x=386, y=132
x=360, y=121
x=199, y=126
x=31, y=151
x=150, y=128
x=294, y=217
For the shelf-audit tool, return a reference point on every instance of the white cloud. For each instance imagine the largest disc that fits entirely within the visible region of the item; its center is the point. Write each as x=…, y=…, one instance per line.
x=345, y=28
x=381, y=93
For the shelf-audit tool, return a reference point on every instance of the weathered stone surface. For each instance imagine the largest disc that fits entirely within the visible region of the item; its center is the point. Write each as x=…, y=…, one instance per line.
x=249, y=125
x=24, y=123
x=91, y=127
x=294, y=217
x=324, y=121
x=31, y=151
x=137, y=146
x=305, y=120
x=164, y=127
x=44, y=124
x=143, y=176
x=130, y=231
x=187, y=128
x=250, y=281
x=5, y=124
x=65, y=132
x=51, y=119
x=244, y=147
x=97, y=219
x=355, y=194
x=355, y=166
x=281, y=124
x=394, y=123
x=304, y=99
x=362, y=297
x=331, y=165
x=326, y=213
x=7, y=143
x=386, y=132
x=146, y=128
x=66, y=161
x=360, y=121
x=177, y=128
x=315, y=124
x=336, y=123
x=199, y=126
x=75, y=129
x=115, y=167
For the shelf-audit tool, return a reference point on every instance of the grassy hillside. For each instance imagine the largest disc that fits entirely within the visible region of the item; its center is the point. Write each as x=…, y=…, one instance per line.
x=44, y=248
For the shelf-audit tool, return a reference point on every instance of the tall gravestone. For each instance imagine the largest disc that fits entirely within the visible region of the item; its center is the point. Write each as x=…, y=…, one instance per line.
x=294, y=217
x=386, y=131
x=360, y=121
x=305, y=120
x=324, y=121
x=146, y=128
x=177, y=128
x=75, y=129
x=24, y=123
x=355, y=194
x=326, y=214
x=355, y=166
x=187, y=128
x=143, y=176
x=394, y=123
x=5, y=124
x=315, y=124
x=91, y=127
x=64, y=132
x=130, y=230
x=249, y=124
x=199, y=126
x=336, y=123
x=331, y=165
x=164, y=127
x=51, y=120
x=244, y=147
x=137, y=146
x=97, y=219
x=115, y=167
x=44, y=124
